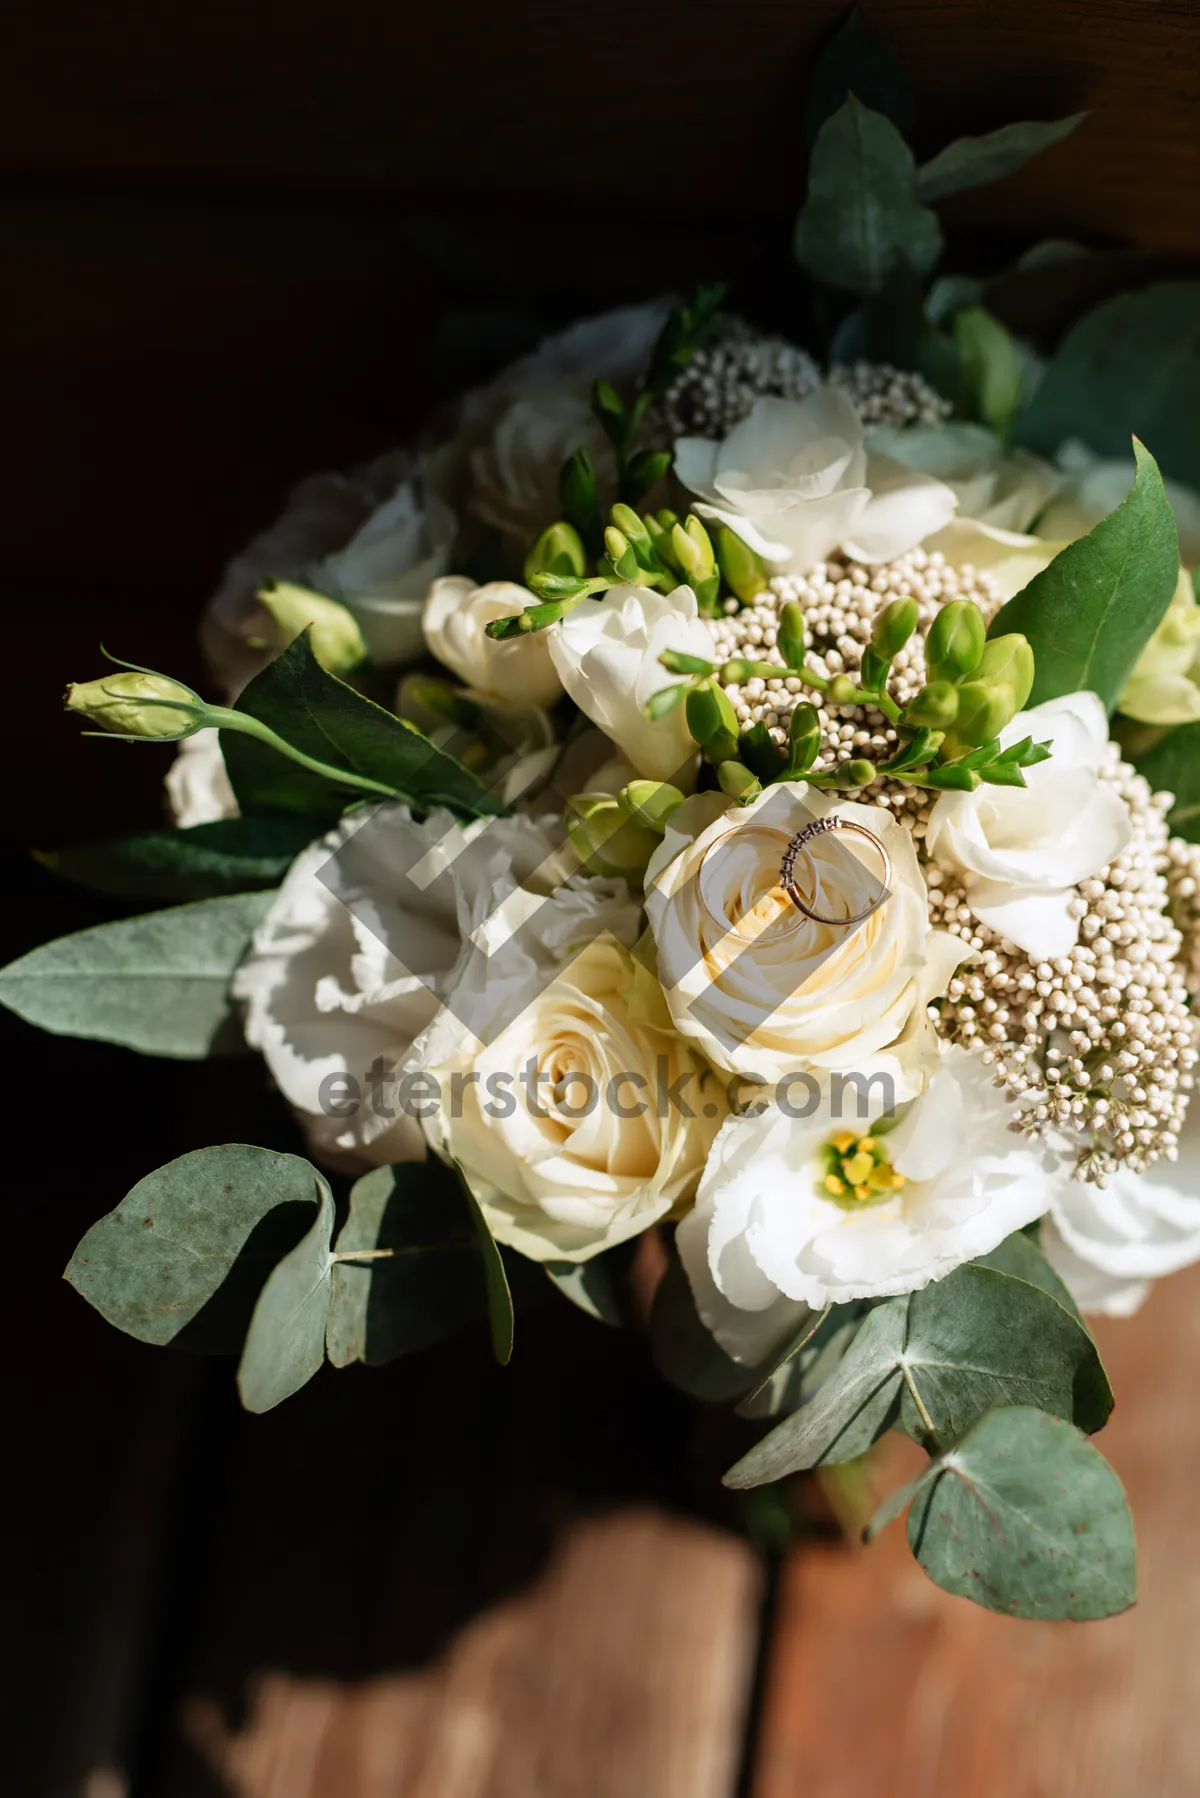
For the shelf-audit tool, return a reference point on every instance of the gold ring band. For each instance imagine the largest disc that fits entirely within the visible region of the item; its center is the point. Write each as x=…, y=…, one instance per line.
x=819, y=827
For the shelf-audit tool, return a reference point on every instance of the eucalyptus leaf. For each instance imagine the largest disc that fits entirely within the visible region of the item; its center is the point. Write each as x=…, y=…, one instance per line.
x=590, y=1285
x=499, y=1295
x=895, y=326
x=422, y=1278
x=1025, y=1517
x=972, y=161
x=862, y=217
x=322, y=717
x=158, y=983
x=1171, y=766
x=285, y=1345
x=853, y=60
x=153, y=1265
x=1089, y=615
x=1131, y=366
x=931, y=1363
x=231, y=855
x=1020, y=1256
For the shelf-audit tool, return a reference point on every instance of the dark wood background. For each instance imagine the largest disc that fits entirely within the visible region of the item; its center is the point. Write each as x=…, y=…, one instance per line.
x=238, y=243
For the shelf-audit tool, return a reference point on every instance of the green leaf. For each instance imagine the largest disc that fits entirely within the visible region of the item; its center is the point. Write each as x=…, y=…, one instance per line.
x=285, y=1345
x=972, y=161
x=1025, y=1517
x=1089, y=615
x=894, y=326
x=158, y=983
x=944, y=1354
x=324, y=718
x=1020, y=1257
x=499, y=1297
x=854, y=61
x=1171, y=766
x=233, y=855
x=683, y=1351
x=992, y=370
x=1131, y=366
x=425, y=1287
x=589, y=1284
x=862, y=217
x=152, y=1266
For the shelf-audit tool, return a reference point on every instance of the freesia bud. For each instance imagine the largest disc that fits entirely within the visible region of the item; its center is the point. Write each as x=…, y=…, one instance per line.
x=738, y=781
x=790, y=640
x=893, y=627
x=743, y=571
x=577, y=490
x=606, y=840
x=712, y=721
x=842, y=690
x=859, y=773
x=693, y=549
x=984, y=708
x=134, y=703
x=955, y=641
x=621, y=554
x=1009, y=660
x=936, y=705
x=334, y=636
x=650, y=802
x=559, y=550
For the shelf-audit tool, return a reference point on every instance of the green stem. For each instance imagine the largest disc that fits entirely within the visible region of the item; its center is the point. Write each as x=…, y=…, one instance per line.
x=224, y=718
x=926, y=1419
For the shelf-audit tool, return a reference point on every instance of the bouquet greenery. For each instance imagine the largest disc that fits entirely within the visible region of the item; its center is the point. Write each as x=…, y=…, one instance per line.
x=726, y=790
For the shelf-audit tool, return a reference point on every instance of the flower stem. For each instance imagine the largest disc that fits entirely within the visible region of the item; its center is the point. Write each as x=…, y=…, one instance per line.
x=225, y=718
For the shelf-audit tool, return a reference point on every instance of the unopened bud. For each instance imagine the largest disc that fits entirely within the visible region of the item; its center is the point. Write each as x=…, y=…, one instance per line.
x=790, y=640
x=559, y=550
x=1009, y=660
x=893, y=627
x=859, y=773
x=693, y=549
x=842, y=690
x=650, y=802
x=621, y=554
x=136, y=704
x=577, y=489
x=738, y=781
x=955, y=641
x=936, y=705
x=334, y=635
x=984, y=708
x=743, y=571
x=606, y=840
x=712, y=721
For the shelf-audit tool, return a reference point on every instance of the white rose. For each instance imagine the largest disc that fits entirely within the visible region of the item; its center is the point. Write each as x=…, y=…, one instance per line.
x=1024, y=850
x=1109, y=1242
x=763, y=989
x=606, y=652
x=347, y=970
x=515, y=473
x=558, y=1125
x=518, y=670
x=994, y=485
x=198, y=789
x=807, y=1211
x=794, y=481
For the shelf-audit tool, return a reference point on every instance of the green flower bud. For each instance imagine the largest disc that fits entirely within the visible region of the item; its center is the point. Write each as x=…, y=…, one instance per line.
x=843, y=691
x=661, y=540
x=790, y=641
x=804, y=740
x=1010, y=660
x=621, y=554
x=955, y=641
x=667, y=520
x=893, y=627
x=559, y=550
x=577, y=489
x=858, y=773
x=712, y=721
x=334, y=635
x=743, y=571
x=936, y=705
x=661, y=704
x=984, y=708
x=135, y=703
x=678, y=661
x=951, y=777
x=873, y=672
x=738, y=781
x=650, y=802
x=693, y=550
x=605, y=838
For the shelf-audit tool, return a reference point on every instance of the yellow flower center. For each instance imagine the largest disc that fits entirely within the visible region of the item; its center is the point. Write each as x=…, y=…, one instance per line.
x=855, y=1171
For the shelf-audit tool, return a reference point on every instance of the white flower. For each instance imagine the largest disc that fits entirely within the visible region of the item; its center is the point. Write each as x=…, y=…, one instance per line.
x=1024, y=850
x=994, y=485
x=383, y=573
x=1095, y=486
x=198, y=789
x=764, y=990
x=1164, y=687
x=347, y=970
x=615, y=345
x=794, y=481
x=1108, y=1242
x=558, y=1127
x=797, y=1212
x=517, y=670
x=606, y=652
x=514, y=474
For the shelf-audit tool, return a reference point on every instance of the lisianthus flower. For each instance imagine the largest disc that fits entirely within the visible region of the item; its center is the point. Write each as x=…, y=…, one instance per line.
x=799, y=1212
x=994, y=485
x=1164, y=687
x=606, y=652
x=198, y=789
x=1024, y=850
x=794, y=482
x=764, y=990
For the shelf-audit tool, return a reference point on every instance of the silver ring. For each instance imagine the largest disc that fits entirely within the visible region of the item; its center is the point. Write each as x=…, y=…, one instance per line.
x=801, y=840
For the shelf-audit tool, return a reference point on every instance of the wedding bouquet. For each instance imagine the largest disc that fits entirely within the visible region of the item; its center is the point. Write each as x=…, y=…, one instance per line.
x=723, y=795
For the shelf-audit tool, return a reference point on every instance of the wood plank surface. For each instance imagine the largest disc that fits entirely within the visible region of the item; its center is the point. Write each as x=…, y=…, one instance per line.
x=881, y=1686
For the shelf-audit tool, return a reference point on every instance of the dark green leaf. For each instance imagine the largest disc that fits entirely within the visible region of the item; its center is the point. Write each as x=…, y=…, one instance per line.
x=590, y=1285
x=285, y=1345
x=684, y=1352
x=894, y=326
x=499, y=1297
x=1131, y=366
x=861, y=217
x=854, y=61
x=1020, y=1257
x=324, y=718
x=152, y=1266
x=1172, y=766
x=233, y=855
x=158, y=983
x=972, y=161
x=425, y=1288
x=1025, y=1517
x=1091, y=613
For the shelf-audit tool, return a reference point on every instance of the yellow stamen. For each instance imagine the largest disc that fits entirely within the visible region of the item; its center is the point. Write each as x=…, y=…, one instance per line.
x=834, y=1185
x=844, y=1141
x=857, y=1167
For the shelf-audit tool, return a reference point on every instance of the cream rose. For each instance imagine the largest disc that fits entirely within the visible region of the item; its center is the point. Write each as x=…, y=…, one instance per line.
x=561, y=1125
x=518, y=670
x=761, y=988
x=514, y=474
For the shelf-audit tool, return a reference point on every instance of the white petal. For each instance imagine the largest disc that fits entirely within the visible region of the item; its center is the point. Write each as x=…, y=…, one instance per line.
x=1039, y=923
